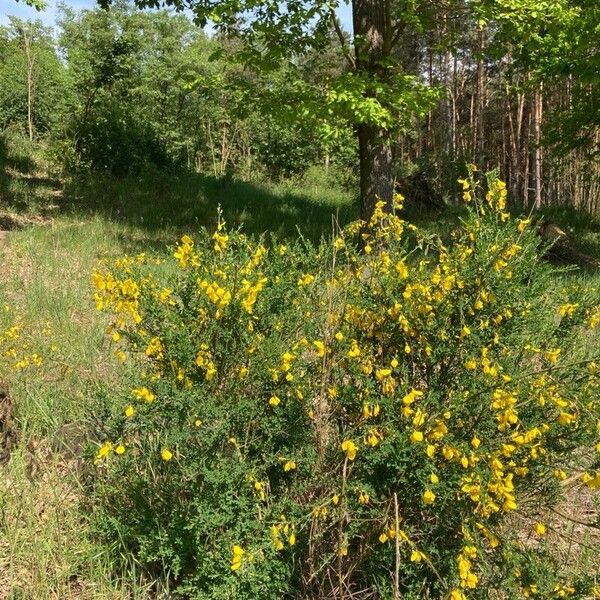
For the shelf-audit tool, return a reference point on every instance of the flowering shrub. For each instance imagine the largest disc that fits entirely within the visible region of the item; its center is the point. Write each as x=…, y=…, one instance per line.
x=325, y=421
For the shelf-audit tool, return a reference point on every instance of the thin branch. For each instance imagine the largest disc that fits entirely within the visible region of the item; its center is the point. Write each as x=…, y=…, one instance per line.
x=344, y=44
x=573, y=520
x=397, y=539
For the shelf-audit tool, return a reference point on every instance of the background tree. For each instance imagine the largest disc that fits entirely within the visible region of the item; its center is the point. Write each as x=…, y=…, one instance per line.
x=375, y=94
x=33, y=76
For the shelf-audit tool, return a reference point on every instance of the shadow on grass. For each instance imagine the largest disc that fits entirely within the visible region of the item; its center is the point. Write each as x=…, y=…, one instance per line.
x=158, y=207
x=583, y=231
x=161, y=206
x=22, y=188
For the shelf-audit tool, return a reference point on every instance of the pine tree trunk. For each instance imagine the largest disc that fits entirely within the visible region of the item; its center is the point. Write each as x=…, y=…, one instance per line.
x=479, y=133
x=537, y=101
x=373, y=30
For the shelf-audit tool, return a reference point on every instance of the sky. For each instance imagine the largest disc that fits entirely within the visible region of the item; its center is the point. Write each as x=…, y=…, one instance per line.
x=48, y=16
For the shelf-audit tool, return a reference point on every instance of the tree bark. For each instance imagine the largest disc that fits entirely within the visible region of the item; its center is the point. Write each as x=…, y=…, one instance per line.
x=376, y=178
x=478, y=133
x=537, y=101
x=373, y=41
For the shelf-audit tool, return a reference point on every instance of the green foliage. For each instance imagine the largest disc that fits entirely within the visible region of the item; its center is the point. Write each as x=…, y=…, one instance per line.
x=308, y=417
x=124, y=87
x=549, y=41
x=37, y=4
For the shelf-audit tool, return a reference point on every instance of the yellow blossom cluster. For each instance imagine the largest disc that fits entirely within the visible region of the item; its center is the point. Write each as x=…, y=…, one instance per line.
x=20, y=346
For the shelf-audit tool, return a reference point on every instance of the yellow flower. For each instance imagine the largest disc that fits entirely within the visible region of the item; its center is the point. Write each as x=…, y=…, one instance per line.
x=354, y=351
x=129, y=411
x=104, y=451
x=220, y=240
x=338, y=244
x=419, y=418
x=274, y=401
x=540, y=529
x=184, y=251
x=591, y=481
x=565, y=418
x=373, y=438
x=143, y=393
x=416, y=556
x=237, y=557
x=428, y=497
x=381, y=374
x=567, y=310
x=349, y=447
x=411, y=396
x=155, y=348
x=277, y=543
x=120, y=449
x=320, y=346
x=289, y=465
x=306, y=280
x=402, y=269
x=166, y=455
x=416, y=436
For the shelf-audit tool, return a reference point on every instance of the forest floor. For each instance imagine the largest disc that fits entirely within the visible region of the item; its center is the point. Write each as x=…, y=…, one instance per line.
x=52, y=235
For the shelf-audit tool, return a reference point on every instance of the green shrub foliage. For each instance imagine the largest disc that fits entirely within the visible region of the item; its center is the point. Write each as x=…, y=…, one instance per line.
x=393, y=421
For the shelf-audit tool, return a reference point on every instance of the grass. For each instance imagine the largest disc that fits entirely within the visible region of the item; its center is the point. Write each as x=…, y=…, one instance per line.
x=60, y=230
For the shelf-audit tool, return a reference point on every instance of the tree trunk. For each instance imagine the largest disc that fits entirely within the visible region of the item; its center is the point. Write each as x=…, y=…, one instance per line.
x=30, y=60
x=479, y=134
x=537, y=102
x=373, y=35
x=526, y=158
x=376, y=180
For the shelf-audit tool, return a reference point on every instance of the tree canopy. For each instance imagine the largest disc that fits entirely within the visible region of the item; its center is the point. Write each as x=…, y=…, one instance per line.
x=381, y=91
